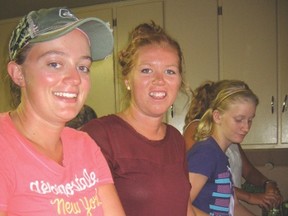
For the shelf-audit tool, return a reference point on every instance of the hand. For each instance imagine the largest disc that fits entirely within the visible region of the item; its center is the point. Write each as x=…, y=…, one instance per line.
x=272, y=188
x=265, y=200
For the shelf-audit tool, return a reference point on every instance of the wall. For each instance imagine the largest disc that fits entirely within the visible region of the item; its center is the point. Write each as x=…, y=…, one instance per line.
x=5, y=26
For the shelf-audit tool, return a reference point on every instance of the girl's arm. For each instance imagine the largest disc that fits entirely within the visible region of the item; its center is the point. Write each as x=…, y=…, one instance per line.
x=190, y=210
x=197, y=182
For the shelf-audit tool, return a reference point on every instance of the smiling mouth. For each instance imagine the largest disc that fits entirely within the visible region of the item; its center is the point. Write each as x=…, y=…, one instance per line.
x=157, y=95
x=65, y=94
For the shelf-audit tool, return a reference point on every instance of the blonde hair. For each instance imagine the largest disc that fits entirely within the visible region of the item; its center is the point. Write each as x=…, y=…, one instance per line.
x=224, y=98
x=203, y=96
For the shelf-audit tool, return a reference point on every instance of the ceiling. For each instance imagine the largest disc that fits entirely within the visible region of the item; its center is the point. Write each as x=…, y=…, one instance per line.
x=19, y=8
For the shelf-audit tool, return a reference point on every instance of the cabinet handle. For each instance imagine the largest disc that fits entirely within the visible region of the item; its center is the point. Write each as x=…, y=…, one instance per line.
x=284, y=105
x=272, y=104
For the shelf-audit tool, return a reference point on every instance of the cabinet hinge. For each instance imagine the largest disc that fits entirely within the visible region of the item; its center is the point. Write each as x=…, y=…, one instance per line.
x=114, y=23
x=219, y=11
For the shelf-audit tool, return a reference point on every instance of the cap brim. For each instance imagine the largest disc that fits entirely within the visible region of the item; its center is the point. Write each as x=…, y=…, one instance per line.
x=99, y=33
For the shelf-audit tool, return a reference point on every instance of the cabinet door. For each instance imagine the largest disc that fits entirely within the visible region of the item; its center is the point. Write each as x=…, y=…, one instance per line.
x=248, y=51
x=128, y=17
x=283, y=67
x=102, y=93
x=193, y=23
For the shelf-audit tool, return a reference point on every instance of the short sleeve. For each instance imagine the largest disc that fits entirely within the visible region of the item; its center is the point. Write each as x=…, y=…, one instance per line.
x=201, y=159
x=98, y=132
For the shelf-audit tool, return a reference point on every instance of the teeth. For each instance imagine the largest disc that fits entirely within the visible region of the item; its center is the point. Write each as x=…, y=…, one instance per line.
x=157, y=94
x=65, y=94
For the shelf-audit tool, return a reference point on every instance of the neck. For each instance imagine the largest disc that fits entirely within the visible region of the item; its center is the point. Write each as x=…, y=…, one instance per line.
x=152, y=128
x=44, y=137
x=222, y=142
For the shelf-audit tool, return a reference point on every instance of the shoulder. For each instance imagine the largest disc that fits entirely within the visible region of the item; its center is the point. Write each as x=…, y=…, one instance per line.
x=172, y=129
x=4, y=121
x=205, y=148
x=209, y=142
x=100, y=125
x=202, y=158
x=173, y=133
x=104, y=121
x=3, y=116
x=8, y=133
x=107, y=130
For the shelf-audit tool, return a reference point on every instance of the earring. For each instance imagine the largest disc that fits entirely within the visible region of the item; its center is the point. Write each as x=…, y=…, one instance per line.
x=127, y=85
x=172, y=110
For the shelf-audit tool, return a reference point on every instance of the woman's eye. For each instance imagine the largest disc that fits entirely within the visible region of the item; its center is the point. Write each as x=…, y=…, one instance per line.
x=170, y=72
x=54, y=65
x=146, y=70
x=84, y=69
x=238, y=120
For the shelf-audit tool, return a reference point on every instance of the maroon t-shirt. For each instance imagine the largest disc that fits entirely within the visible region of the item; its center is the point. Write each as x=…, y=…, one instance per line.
x=151, y=177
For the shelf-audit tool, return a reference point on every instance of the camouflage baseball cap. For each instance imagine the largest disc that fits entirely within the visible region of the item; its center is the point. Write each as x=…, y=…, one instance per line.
x=48, y=24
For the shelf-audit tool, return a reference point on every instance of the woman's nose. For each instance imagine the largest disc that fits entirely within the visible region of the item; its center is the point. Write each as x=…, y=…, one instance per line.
x=73, y=76
x=158, y=79
x=246, y=126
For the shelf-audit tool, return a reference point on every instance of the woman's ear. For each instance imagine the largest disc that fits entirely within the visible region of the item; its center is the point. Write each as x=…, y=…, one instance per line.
x=16, y=74
x=216, y=116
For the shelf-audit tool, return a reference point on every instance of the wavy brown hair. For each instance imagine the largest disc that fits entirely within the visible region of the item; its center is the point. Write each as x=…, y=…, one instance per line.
x=201, y=98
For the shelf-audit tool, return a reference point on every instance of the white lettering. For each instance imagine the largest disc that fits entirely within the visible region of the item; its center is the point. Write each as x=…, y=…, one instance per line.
x=78, y=184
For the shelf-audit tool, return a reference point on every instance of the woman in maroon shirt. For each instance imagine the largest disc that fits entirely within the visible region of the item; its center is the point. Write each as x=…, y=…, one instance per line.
x=146, y=155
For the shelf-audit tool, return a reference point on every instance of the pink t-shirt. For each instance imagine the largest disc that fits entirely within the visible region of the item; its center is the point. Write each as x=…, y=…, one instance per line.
x=32, y=184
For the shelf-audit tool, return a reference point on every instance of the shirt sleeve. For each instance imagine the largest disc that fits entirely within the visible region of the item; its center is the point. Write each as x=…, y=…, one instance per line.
x=103, y=168
x=98, y=132
x=202, y=160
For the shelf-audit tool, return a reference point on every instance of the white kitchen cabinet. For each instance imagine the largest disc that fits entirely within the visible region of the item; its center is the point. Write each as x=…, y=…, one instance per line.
x=251, y=51
x=194, y=24
x=230, y=39
x=283, y=69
